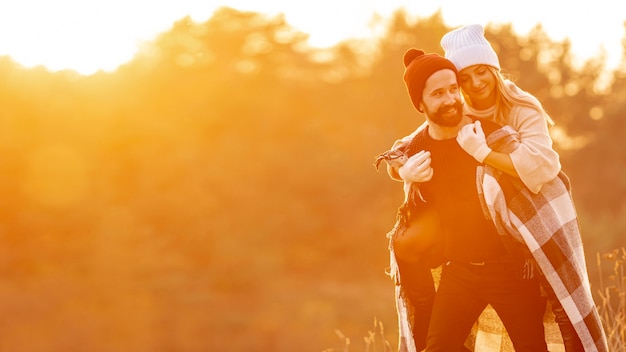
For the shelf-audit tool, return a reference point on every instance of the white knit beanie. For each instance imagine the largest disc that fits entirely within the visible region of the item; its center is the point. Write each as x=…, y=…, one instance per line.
x=467, y=46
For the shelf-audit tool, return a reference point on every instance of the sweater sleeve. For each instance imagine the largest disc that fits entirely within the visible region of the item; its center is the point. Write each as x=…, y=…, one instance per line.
x=535, y=161
x=404, y=141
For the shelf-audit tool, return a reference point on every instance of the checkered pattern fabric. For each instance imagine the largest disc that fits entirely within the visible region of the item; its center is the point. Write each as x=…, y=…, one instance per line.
x=548, y=224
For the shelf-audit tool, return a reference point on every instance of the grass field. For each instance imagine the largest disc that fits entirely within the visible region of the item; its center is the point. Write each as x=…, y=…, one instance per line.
x=610, y=300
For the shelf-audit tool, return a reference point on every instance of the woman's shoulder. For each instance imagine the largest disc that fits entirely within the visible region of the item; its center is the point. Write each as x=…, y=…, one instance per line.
x=523, y=115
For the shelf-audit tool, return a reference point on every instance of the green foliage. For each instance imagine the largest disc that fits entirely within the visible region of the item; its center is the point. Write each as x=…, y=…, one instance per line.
x=217, y=192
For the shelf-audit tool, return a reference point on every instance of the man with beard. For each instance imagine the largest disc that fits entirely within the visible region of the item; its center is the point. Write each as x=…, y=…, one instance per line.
x=480, y=266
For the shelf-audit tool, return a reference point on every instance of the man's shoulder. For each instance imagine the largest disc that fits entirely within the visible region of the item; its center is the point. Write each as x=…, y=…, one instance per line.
x=418, y=142
x=489, y=126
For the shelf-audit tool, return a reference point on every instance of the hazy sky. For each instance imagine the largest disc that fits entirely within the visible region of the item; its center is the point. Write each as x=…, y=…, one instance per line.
x=88, y=35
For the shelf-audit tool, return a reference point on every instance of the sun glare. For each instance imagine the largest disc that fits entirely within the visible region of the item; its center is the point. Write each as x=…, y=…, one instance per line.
x=93, y=35
x=85, y=36
x=84, y=53
x=65, y=35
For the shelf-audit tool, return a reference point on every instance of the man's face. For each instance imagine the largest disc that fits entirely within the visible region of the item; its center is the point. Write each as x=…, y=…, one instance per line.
x=442, y=99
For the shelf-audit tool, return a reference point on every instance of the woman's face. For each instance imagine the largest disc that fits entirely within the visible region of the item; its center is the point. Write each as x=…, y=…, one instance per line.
x=479, y=84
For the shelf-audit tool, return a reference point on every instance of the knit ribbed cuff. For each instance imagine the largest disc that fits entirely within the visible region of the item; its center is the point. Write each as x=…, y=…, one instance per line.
x=481, y=153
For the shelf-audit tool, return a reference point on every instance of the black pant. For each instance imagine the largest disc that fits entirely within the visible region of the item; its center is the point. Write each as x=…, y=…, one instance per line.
x=419, y=289
x=464, y=292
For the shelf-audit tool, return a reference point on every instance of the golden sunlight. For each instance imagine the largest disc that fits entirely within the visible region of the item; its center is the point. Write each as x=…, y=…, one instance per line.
x=56, y=176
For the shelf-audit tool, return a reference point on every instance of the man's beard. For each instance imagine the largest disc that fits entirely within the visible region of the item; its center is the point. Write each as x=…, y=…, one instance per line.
x=443, y=117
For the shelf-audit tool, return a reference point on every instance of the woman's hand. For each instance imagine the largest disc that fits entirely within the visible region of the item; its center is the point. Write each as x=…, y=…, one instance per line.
x=472, y=139
x=417, y=168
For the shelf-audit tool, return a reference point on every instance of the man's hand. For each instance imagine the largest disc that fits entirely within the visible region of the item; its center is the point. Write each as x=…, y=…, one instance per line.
x=472, y=139
x=417, y=168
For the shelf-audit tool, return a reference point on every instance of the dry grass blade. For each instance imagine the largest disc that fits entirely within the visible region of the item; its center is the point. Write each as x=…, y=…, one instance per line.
x=612, y=293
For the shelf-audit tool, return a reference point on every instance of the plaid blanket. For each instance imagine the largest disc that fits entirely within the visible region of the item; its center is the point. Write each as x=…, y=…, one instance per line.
x=548, y=224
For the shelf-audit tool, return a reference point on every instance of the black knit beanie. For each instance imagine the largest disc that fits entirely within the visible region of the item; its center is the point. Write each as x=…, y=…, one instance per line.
x=418, y=68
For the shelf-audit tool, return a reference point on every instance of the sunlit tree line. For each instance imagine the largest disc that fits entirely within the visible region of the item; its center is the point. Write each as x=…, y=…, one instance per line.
x=217, y=193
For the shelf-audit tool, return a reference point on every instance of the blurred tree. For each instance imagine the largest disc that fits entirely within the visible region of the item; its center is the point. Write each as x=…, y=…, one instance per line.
x=599, y=164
